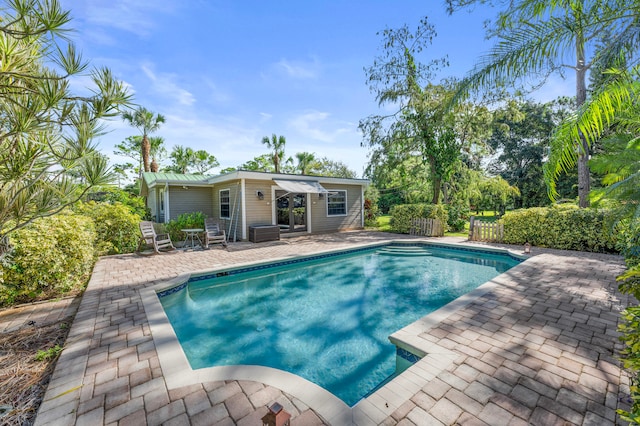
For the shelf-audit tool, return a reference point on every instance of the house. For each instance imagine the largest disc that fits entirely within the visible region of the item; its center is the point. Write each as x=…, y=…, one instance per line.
x=243, y=199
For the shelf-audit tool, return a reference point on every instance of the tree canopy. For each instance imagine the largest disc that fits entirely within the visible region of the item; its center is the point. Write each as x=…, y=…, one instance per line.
x=535, y=39
x=420, y=126
x=47, y=155
x=147, y=122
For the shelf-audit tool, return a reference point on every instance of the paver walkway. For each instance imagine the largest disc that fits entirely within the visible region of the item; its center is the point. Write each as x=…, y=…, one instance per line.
x=539, y=347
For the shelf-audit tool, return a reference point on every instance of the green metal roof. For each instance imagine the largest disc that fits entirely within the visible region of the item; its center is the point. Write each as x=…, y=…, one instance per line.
x=150, y=178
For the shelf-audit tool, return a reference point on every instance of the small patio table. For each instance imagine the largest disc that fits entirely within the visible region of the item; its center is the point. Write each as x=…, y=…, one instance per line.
x=192, y=234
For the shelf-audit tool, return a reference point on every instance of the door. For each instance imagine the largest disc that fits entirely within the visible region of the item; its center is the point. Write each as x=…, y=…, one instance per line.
x=291, y=211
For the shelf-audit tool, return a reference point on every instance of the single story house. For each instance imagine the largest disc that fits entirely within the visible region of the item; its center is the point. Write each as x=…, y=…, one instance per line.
x=243, y=199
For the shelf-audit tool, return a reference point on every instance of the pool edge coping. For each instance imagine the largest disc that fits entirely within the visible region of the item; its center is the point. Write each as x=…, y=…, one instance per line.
x=376, y=406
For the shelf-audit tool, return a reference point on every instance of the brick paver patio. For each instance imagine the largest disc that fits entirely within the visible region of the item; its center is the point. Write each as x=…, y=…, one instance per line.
x=538, y=346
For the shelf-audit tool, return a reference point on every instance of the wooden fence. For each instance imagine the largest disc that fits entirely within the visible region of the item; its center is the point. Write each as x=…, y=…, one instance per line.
x=485, y=231
x=426, y=227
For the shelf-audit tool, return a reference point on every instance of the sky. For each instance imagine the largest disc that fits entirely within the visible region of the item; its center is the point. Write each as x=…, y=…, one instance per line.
x=227, y=73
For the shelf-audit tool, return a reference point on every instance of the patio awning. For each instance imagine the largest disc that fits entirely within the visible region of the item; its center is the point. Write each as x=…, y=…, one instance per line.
x=301, y=186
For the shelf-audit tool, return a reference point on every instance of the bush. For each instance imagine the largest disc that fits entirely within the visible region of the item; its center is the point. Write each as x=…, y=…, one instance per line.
x=116, y=226
x=51, y=257
x=113, y=195
x=457, y=216
x=184, y=221
x=563, y=227
x=371, y=212
x=402, y=214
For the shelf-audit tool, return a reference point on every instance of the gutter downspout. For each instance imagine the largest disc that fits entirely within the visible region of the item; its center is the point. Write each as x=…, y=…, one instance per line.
x=362, y=206
x=167, y=211
x=244, y=208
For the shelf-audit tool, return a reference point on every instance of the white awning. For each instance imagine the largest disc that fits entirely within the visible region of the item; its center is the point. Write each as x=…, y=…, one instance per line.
x=301, y=186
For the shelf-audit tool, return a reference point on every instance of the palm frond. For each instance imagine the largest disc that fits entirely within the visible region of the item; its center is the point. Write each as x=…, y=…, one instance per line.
x=590, y=121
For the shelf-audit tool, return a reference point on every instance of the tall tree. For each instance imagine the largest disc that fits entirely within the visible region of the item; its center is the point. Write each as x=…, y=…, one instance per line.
x=420, y=127
x=132, y=147
x=48, y=159
x=276, y=144
x=147, y=122
x=534, y=39
x=186, y=160
x=521, y=140
x=181, y=158
x=261, y=163
x=328, y=167
x=203, y=162
x=157, y=152
x=307, y=162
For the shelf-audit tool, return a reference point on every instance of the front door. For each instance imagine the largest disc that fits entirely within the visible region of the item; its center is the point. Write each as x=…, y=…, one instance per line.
x=291, y=211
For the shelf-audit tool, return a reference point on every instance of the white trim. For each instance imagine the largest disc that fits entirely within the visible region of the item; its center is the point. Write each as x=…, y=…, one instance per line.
x=167, y=210
x=346, y=206
x=220, y=203
x=244, y=208
x=244, y=174
x=307, y=207
x=274, y=204
x=362, y=212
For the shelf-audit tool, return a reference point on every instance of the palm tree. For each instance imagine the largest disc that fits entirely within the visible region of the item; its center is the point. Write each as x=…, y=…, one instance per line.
x=276, y=144
x=182, y=158
x=145, y=121
x=534, y=40
x=156, y=151
x=306, y=162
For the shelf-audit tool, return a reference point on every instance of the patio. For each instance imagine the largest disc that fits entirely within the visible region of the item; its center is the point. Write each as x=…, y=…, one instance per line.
x=537, y=346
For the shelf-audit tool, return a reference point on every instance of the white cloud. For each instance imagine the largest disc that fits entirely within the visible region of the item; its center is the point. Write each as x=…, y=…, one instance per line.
x=264, y=117
x=165, y=85
x=300, y=70
x=313, y=125
x=131, y=16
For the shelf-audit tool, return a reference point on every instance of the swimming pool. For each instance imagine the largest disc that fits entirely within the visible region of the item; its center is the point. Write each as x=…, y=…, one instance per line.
x=325, y=318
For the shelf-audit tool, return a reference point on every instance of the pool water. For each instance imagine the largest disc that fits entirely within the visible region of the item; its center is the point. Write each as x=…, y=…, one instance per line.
x=326, y=320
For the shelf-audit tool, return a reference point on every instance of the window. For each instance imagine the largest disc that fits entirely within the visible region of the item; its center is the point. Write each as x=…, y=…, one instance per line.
x=337, y=203
x=225, y=206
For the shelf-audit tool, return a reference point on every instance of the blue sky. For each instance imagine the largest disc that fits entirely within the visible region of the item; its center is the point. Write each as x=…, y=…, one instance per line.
x=227, y=73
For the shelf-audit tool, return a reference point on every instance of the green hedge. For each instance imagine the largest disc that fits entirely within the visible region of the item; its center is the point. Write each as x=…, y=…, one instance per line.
x=184, y=221
x=402, y=214
x=116, y=226
x=51, y=256
x=561, y=227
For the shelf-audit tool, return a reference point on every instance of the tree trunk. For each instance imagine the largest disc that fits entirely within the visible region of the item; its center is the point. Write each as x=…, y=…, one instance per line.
x=437, y=184
x=146, y=150
x=154, y=166
x=584, y=174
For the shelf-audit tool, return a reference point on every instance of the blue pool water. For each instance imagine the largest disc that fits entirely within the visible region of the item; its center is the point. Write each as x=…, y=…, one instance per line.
x=327, y=320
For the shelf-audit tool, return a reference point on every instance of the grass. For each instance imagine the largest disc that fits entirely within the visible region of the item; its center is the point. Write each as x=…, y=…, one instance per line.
x=384, y=223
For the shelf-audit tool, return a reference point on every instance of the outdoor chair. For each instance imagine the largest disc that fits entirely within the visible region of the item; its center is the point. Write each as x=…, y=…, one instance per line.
x=160, y=242
x=213, y=234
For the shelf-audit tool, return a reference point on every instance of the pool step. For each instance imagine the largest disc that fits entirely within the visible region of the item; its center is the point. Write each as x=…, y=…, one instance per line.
x=404, y=251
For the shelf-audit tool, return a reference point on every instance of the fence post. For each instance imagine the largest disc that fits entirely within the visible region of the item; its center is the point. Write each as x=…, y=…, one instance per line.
x=471, y=220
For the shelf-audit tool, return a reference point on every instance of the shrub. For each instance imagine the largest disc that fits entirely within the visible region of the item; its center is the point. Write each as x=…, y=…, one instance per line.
x=371, y=212
x=402, y=214
x=184, y=221
x=457, y=216
x=112, y=195
x=51, y=256
x=563, y=227
x=629, y=327
x=116, y=226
